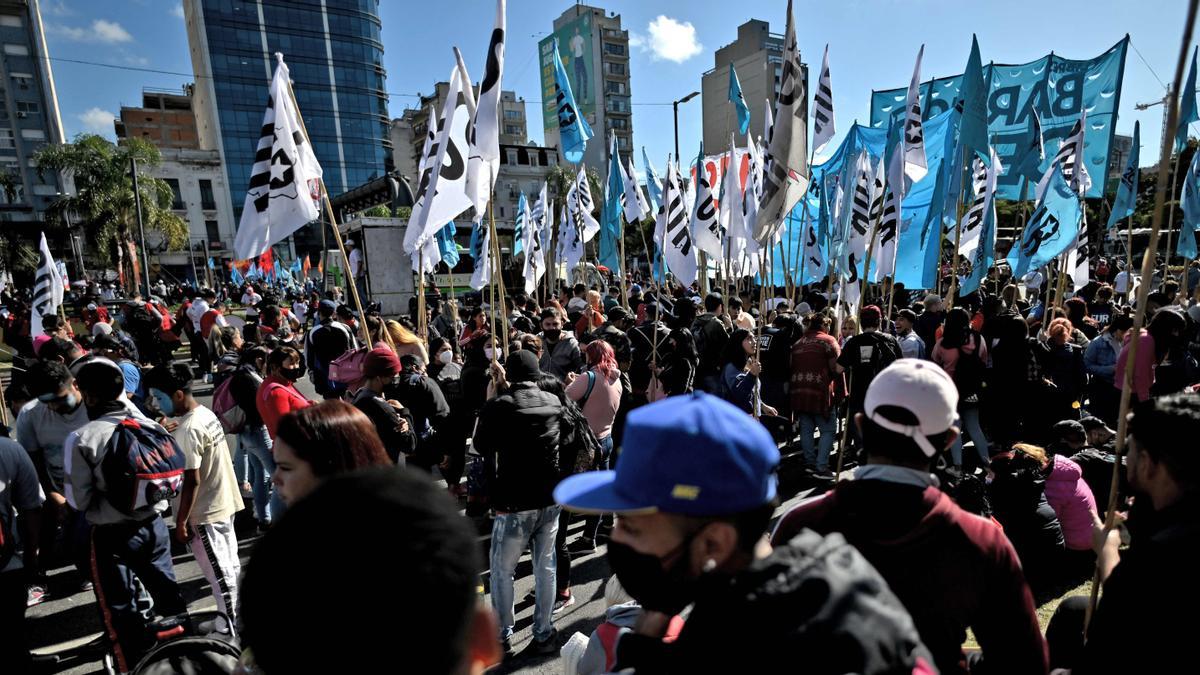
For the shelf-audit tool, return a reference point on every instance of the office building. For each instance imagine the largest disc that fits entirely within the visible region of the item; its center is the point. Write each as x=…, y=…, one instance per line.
x=595, y=53
x=334, y=51
x=29, y=117
x=757, y=56
x=197, y=179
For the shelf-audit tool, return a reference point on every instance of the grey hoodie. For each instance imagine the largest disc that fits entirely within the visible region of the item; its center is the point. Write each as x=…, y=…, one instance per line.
x=85, y=489
x=594, y=660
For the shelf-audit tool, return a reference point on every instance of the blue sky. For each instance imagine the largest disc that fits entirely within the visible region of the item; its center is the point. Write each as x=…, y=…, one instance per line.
x=872, y=45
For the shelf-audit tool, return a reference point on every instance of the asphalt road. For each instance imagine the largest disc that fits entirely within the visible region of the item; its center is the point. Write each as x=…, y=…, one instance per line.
x=69, y=620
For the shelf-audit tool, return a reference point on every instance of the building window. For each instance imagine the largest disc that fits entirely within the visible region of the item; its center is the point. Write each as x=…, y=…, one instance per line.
x=28, y=107
x=33, y=134
x=614, y=87
x=6, y=139
x=176, y=197
x=615, y=68
x=513, y=115
x=10, y=21
x=610, y=48
x=512, y=129
x=16, y=50
x=207, y=201
x=212, y=231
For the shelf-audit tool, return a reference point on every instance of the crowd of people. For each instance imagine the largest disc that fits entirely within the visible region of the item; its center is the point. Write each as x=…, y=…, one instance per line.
x=960, y=458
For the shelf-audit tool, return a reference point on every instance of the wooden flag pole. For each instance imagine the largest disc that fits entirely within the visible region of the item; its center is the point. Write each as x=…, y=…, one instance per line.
x=1143, y=291
x=1172, y=202
x=337, y=234
x=494, y=242
x=624, y=267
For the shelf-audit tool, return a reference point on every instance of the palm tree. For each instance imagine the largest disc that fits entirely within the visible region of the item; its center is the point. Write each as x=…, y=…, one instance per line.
x=104, y=203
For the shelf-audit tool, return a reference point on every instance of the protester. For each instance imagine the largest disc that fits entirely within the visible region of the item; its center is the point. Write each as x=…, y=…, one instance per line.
x=210, y=496
x=1017, y=496
x=1062, y=363
x=864, y=356
x=21, y=499
x=1100, y=360
x=561, y=353
x=951, y=569
x=963, y=354
x=695, y=491
x=392, y=421
x=325, y=342
x=321, y=441
x=815, y=382
x=930, y=320
x=277, y=395
x=711, y=334
x=911, y=345
x=130, y=546
x=518, y=435
x=254, y=441
x=740, y=369
x=678, y=374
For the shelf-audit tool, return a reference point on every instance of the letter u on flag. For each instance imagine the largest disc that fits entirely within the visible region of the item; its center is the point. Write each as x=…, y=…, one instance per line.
x=285, y=181
x=573, y=130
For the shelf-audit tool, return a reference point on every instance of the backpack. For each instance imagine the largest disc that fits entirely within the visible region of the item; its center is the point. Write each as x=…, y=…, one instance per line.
x=700, y=337
x=969, y=372
x=142, y=465
x=231, y=415
x=194, y=654
x=580, y=447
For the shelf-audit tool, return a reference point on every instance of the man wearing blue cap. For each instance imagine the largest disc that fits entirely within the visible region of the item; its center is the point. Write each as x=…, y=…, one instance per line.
x=694, y=493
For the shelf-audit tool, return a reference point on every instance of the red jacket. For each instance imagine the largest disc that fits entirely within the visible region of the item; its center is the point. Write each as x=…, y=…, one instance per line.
x=278, y=396
x=951, y=569
x=813, y=378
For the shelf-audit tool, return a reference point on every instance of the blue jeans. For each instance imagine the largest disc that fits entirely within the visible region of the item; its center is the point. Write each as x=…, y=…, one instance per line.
x=268, y=505
x=968, y=424
x=817, y=457
x=511, y=533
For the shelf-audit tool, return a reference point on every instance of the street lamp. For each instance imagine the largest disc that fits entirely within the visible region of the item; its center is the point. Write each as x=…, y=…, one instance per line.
x=675, y=110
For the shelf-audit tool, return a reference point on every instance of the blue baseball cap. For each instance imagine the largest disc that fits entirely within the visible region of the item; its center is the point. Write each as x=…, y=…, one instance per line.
x=693, y=455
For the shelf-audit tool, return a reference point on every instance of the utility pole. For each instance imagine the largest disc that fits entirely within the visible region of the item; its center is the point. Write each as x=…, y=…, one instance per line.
x=137, y=201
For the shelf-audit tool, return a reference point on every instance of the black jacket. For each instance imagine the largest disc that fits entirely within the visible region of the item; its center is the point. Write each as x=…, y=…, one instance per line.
x=244, y=388
x=397, y=444
x=518, y=433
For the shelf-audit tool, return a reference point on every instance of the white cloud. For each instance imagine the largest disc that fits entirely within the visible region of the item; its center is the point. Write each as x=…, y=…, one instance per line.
x=177, y=11
x=101, y=30
x=97, y=121
x=56, y=8
x=668, y=40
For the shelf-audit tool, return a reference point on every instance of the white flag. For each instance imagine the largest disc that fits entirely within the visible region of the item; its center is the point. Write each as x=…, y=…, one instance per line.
x=579, y=201
x=1079, y=257
x=814, y=261
x=768, y=124
x=535, y=258
x=706, y=228
x=636, y=207
x=888, y=232
x=823, y=124
x=787, y=165
x=729, y=213
x=914, y=130
x=482, y=253
x=285, y=181
x=983, y=206
x=483, y=162
x=570, y=239
x=441, y=192
x=750, y=206
x=1070, y=158
x=860, y=227
x=672, y=233
x=47, y=289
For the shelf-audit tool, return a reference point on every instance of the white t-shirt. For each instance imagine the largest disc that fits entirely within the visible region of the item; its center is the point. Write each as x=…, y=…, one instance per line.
x=355, y=263
x=203, y=442
x=1121, y=282
x=198, y=309
x=577, y=46
x=250, y=299
x=300, y=309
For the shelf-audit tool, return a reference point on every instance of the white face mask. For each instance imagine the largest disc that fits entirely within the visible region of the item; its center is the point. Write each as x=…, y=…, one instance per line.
x=445, y=357
x=487, y=352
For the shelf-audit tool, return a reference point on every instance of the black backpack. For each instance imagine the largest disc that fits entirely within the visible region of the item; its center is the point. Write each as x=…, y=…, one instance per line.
x=142, y=465
x=579, y=448
x=970, y=371
x=194, y=655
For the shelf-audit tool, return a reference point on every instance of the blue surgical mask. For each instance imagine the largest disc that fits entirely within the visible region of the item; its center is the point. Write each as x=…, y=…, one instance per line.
x=165, y=405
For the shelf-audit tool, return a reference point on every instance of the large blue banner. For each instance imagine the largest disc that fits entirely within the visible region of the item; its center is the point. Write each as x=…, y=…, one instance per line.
x=1053, y=88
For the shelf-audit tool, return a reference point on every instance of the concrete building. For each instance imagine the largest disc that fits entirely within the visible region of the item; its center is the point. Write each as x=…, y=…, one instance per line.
x=334, y=50
x=514, y=125
x=29, y=119
x=402, y=136
x=1118, y=157
x=197, y=179
x=757, y=56
x=595, y=52
x=523, y=168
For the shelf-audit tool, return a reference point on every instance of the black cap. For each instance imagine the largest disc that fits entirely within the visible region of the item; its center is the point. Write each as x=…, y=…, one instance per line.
x=522, y=366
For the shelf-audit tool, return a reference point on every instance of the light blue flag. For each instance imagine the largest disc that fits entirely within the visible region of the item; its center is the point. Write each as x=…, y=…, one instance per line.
x=1051, y=229
x=610, y=216
x=211, y=264
x=447, y=249
x=573, y=130
x=984, y=254
x=738, y=101
x=1187, y=107
x=278, y=272
x=1127, y=190
x=1191, y=211
x=973, y=129
x=297, y=268
x=235, y=276
x=653, y=184
x=519, y=226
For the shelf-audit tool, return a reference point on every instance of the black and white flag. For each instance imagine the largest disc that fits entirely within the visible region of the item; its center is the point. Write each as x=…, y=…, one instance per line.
x=913, y=133
x=285, y=183
x=1079, y=257
x=787, y=161
x=441, y=191
x=1070, y=158
x=823, y=124
x=535, y=257
x=483, y=162
x=579, y=202
x=706, y=227
x=671, y=230
x=47, y=289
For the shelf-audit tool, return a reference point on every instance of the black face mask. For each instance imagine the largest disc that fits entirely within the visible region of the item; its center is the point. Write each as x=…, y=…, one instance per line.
x=292, y=374
x=552, y=334
x=668, y=590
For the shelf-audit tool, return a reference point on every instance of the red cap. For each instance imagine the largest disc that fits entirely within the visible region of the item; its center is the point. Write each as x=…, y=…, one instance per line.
x=381, y=361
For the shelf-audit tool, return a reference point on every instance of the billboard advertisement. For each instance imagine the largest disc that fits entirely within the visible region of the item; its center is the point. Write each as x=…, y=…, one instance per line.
x=575, y=47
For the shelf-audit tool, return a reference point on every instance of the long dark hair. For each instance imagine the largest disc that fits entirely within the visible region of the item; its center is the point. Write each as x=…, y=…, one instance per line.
x=733, y=349
x=685, y=344
x=957, y=330
x=333, y=437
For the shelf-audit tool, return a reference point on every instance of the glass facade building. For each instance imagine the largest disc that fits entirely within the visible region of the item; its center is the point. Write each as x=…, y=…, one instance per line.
x=335, y=54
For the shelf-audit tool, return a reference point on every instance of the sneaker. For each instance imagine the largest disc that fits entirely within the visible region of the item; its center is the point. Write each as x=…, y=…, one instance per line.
x=547, y=647
x=506, y=650
x=583, y=545
x=36, y=595
x=823, y=475
x=85, y=586
x=562, y=602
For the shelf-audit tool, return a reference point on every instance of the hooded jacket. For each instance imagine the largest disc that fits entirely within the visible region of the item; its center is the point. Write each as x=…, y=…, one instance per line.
x=86, y=486
x=1072, y=501
x=518, y=433
x=951, y=569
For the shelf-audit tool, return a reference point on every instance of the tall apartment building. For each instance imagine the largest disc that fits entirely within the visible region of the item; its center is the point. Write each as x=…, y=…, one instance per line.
x=595, y=52
x=335, y=53
x=197, y=180
x=29, y=117
x=757, y=56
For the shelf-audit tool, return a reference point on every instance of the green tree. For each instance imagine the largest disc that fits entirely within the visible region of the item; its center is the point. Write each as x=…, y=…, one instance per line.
x=104, y=204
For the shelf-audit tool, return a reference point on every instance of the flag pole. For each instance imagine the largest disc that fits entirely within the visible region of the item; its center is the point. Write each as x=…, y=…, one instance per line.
x=495, y=244
x=1171, y=204
x=1143, y=291
x=337, y=235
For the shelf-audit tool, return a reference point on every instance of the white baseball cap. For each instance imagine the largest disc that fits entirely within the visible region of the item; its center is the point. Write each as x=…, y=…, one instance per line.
x=920, y=387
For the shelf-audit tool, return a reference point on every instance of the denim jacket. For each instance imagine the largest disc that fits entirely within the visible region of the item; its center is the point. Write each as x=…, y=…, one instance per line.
x=1100, y=358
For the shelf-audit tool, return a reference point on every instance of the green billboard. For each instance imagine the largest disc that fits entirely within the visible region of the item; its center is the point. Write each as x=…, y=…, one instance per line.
x=575, y=48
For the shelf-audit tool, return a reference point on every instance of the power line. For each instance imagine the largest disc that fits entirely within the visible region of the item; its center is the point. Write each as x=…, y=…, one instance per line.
x=1148, y=66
